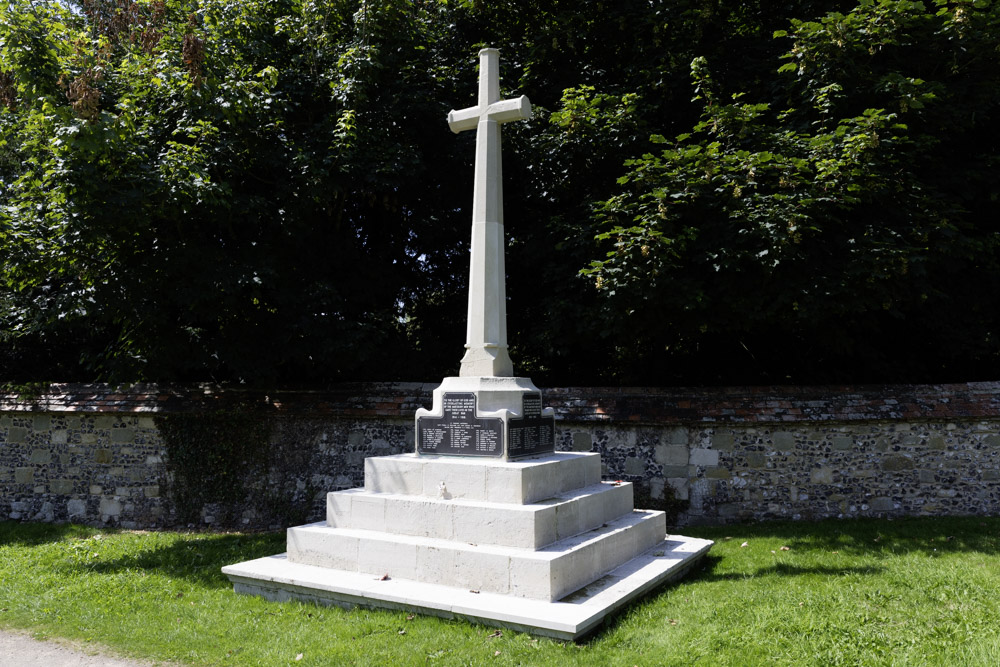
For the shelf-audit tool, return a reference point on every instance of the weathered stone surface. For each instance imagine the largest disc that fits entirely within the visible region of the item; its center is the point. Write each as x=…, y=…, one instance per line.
x=723, y=442
x=671, y=455
x=883, y=505
x=894, y=463
x=40, y=456
x=63, y=487
x=842, y=442
x=582, y=441
x=783, y=441
x=676, y=436
x=704, y=457
x=634, y=466
x=675, y=471
x=111, y=507
x=122, y=435
x=822, y=475
x=907, y=460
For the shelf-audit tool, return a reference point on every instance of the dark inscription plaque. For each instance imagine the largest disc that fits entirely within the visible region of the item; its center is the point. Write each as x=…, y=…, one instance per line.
x=459, y=432
x=531, y=434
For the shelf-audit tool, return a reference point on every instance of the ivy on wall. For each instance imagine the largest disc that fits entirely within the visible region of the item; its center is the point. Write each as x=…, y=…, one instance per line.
x=221, y=463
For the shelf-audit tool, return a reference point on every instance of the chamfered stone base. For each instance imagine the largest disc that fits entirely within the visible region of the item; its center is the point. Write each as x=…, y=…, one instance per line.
x=541, y=544
x=572, y=617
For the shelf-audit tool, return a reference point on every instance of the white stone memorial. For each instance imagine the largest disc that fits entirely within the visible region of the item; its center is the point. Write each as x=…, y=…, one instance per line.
x=484, y=520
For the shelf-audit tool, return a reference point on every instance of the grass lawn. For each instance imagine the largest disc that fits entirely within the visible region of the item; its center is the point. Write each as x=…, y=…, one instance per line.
x=907, y=592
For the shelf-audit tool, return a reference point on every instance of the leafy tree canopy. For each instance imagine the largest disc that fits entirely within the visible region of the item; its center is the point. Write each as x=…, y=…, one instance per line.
x=266, y=191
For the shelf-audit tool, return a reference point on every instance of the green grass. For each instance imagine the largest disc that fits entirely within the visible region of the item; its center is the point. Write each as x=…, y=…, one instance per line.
x=910, y=592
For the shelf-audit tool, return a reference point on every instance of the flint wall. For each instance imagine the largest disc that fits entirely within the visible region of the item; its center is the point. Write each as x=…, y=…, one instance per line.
x=102, y=455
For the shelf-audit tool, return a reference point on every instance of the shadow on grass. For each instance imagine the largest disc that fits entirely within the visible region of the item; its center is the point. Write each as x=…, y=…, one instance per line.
x=197, y=558
x=929, y=536
x=15, y=533
x=707, y=572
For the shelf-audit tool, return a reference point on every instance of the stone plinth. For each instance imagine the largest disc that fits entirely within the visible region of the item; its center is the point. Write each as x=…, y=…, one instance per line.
x=499, y=417
x=540, y=545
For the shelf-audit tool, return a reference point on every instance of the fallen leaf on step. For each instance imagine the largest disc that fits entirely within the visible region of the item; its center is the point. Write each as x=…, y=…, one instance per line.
x=384, y=577
x=473, y=591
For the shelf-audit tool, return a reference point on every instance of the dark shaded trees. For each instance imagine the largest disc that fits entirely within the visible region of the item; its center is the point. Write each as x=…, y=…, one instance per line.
x=267, y=191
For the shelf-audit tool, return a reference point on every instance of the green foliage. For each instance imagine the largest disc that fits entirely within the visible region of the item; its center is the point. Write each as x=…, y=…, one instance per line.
x=218, y=458
x=266, y=191
x=822, y=232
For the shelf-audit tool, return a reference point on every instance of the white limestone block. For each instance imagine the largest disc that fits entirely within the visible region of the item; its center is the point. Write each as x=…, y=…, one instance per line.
x=394, y=474
x=481, y=570
x=368, y=512
x=568, y=519
x=419, y=517
x=322, y=548
x=531, y=578
x=338, y=507
x=436, y=565
x=395, y=558
x=460, y=481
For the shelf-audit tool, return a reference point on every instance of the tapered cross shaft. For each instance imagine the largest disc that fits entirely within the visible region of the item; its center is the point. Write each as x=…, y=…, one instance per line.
x=486, y=334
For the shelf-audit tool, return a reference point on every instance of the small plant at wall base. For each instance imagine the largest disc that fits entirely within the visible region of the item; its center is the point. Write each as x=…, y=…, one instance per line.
x=216, y=457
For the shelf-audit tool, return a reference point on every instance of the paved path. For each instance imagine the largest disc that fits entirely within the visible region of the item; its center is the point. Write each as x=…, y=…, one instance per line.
x=18, y=649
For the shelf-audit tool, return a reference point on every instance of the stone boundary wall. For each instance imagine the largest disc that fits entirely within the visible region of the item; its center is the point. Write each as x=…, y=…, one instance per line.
x=97, y=454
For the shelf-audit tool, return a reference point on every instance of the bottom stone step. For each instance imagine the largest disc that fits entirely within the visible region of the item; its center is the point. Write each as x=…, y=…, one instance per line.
x=573, y=617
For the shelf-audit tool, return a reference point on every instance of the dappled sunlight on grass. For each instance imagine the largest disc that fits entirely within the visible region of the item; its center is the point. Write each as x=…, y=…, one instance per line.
x=920, y=591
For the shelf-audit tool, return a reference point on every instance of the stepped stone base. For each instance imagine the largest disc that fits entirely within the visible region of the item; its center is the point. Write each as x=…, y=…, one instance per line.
x=571, y=618
x=540, y=545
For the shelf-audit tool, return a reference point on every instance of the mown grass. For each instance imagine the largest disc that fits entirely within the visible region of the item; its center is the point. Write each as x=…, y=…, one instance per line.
x=909, y=592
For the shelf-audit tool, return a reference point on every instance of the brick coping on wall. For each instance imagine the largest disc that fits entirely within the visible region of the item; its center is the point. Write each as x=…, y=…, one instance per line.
x=636, y=405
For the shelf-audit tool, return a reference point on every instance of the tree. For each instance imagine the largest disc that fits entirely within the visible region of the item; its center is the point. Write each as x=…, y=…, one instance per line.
x=267, y=191
x=832, y=232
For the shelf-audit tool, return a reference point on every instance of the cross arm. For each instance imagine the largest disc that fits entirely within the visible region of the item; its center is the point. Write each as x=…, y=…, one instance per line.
x=508, y=110
x=502, y=112
x=466, y=119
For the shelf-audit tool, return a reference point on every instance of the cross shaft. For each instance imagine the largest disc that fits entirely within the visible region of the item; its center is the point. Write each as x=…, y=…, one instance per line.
x=486, y=334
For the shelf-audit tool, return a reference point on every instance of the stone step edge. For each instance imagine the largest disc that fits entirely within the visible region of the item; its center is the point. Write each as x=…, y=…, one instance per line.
x=572, y=618
x=533, y=526
x=483, y=479
x=546, y=573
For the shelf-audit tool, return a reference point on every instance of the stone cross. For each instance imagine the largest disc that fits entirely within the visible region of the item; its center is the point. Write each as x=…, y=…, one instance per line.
x=486, y=336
